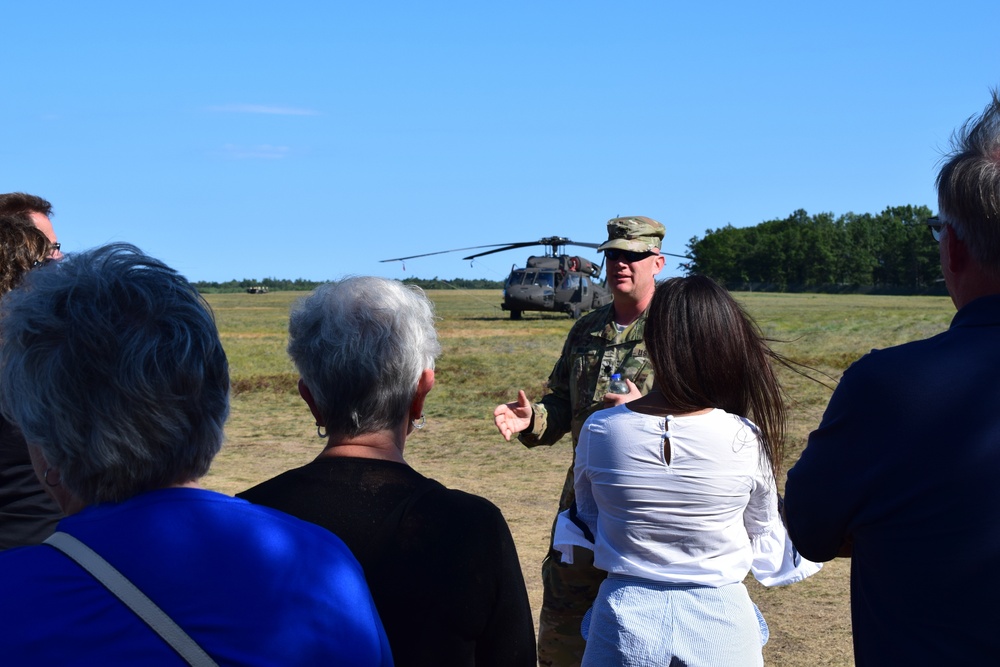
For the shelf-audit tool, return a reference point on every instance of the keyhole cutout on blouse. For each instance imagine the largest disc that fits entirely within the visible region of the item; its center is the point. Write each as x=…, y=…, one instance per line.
x=666, y=440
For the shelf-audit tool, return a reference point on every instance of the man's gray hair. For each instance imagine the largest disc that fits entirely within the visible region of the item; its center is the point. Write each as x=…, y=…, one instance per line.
x=969, y=185
x=360, y=345
x=111, y=364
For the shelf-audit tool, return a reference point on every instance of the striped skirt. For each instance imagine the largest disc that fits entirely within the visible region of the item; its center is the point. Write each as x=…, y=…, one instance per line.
x=637, y=622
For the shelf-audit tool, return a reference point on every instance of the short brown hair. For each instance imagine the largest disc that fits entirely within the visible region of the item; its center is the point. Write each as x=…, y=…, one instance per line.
x=21, y=204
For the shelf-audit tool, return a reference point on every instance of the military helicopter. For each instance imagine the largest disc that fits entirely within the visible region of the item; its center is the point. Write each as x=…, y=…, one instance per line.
x=555, y=282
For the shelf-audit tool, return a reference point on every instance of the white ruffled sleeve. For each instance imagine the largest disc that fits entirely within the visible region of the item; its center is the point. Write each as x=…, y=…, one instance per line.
x=776, y=562
x=775, y=559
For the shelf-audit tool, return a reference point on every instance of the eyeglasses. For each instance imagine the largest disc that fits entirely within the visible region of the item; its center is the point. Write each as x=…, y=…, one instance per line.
x=54, y=248
x=627, y=256
x=936, y=225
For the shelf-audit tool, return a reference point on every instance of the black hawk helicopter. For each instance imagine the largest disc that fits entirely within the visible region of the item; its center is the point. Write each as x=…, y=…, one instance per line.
x=555, y=282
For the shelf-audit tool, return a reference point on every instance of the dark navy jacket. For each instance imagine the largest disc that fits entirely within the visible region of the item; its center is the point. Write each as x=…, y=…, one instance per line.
x=906, y=466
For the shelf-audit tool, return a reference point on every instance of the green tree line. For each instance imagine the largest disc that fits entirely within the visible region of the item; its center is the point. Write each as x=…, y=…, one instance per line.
x=300, y=285
x=890, y=250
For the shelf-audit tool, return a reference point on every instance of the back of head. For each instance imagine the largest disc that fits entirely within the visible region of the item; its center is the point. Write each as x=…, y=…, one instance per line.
x=21, y=204
x=969, y=186
x=360, y=345
x=22, y=248
x=707, y=352
x=111, y=364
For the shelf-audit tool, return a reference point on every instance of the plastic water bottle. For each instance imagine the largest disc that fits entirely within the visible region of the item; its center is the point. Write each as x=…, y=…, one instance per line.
x=617, y=385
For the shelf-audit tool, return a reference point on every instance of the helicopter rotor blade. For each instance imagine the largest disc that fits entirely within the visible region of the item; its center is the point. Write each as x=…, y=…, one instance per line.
x=439, y=252
x=510, y=246
x=552, y=243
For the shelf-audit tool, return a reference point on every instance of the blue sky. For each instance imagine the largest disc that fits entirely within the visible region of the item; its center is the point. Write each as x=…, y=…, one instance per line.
x=312, y=139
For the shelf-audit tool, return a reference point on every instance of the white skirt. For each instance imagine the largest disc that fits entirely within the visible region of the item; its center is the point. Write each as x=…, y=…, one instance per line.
x=641, y=623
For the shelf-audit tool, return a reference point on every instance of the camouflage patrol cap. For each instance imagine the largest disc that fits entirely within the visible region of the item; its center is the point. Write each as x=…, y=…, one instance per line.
x=636, y=233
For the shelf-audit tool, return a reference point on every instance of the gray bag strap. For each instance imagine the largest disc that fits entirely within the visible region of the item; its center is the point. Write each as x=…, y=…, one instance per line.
x=133, y=598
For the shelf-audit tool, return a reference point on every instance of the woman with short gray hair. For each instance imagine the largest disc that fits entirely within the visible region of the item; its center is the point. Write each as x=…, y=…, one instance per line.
x=441, y=563
x=111, y=366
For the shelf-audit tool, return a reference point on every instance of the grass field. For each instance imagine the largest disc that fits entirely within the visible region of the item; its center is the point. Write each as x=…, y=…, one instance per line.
x=487, y=358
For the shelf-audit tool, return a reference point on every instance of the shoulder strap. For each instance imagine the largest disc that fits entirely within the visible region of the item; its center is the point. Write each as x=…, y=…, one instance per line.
x=133, y=598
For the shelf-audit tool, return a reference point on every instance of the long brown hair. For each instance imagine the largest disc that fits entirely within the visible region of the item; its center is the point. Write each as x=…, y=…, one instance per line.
x=707, y=352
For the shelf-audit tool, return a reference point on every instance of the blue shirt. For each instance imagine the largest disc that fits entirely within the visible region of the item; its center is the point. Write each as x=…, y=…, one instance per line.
x=251, y=585
x=905, y=466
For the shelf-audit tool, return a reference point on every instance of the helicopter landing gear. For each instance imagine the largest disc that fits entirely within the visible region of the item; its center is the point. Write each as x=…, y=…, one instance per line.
x=515, y=314
x=574, y=311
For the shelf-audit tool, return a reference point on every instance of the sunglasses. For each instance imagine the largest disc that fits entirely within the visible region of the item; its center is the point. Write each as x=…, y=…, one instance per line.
x=627, y=256
x=936, y=225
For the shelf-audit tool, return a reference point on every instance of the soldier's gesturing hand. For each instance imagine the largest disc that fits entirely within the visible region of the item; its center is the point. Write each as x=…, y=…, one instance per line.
x=515, y=417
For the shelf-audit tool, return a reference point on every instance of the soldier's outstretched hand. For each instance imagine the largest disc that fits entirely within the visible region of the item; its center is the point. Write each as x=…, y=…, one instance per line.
x=512, y=418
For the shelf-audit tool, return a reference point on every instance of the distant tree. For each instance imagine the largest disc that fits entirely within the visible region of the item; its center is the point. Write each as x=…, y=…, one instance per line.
x=891, y=249
x=301, y=285
x=454, y=283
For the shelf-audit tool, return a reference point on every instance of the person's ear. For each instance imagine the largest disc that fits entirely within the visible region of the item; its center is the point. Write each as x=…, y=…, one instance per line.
x=424, y=385
x=956, y=252
x=310, y=401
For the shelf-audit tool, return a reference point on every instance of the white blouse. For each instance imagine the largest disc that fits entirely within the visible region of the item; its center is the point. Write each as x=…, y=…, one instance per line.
x=706, y=516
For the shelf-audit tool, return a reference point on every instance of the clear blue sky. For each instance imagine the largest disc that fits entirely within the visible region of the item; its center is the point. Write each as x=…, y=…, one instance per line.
x=311, y=139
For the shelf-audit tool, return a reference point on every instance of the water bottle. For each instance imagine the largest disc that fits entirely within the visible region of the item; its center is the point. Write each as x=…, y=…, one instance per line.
x=617, y=385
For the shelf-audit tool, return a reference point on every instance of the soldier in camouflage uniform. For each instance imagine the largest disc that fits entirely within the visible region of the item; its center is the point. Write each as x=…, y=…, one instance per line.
x=605, y=341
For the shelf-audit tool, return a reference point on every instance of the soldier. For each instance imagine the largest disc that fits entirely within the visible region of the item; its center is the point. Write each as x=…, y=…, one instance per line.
x=605, y=341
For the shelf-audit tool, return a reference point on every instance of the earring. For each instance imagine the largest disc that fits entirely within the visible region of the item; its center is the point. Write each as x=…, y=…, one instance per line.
x=46, y=478
x=320, y=433
x=419, y=425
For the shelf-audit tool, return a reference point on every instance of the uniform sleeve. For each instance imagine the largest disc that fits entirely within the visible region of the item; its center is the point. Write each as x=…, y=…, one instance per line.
x=553, y=415
x=827, y=485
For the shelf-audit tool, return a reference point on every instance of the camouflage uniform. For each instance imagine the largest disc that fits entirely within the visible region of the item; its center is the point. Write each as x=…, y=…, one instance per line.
x=594, y=350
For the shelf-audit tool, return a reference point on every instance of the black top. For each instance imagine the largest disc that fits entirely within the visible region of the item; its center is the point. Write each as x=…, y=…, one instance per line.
x=27, y=514
x=445, y=576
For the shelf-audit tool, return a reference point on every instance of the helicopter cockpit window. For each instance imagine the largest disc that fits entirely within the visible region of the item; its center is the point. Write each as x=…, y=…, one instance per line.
x=572, y=282
x=515, y=278
x=545, y=279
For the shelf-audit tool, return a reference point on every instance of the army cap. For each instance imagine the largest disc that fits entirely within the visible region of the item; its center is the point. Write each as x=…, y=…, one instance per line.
x=634, y=233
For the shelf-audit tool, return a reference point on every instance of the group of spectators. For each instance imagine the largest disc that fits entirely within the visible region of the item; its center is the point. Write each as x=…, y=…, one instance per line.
x=114, y=393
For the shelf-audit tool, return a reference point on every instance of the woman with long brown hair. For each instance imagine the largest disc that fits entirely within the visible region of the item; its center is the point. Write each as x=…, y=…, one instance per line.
x=678, y=490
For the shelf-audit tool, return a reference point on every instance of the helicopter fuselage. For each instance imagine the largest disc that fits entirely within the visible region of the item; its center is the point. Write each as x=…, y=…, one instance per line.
x=554, y=284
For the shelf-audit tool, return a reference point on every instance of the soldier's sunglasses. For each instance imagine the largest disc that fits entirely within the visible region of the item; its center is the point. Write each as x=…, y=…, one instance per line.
x=627, y=256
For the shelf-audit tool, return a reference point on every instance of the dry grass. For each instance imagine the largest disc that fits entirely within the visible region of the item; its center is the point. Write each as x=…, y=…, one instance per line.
x=487, y=358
